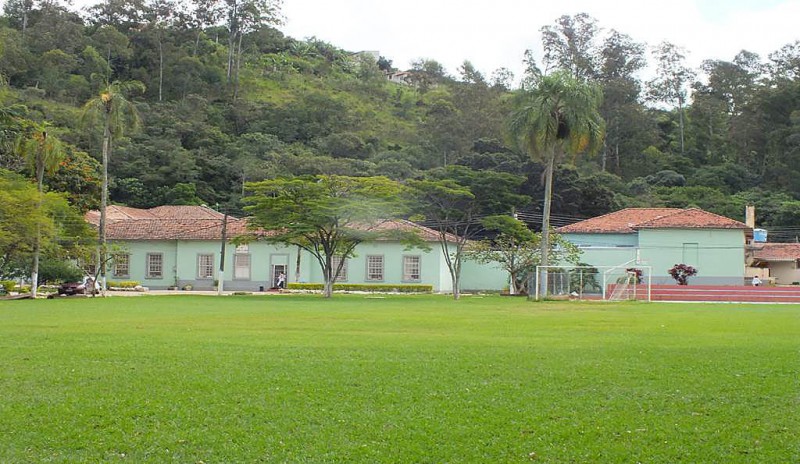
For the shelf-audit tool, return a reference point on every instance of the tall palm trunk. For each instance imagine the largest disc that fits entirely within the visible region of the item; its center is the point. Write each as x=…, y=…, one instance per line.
x=39, y=168
x=101, y=254
x=37, y=246
x=548, y=200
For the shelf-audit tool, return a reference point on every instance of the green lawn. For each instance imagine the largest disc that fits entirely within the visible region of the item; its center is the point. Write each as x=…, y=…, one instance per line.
x=396, y=379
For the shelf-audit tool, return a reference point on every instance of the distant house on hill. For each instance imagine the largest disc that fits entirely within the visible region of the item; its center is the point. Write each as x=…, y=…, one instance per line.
x=663, y=237
x=401, y=77
x=176, y=246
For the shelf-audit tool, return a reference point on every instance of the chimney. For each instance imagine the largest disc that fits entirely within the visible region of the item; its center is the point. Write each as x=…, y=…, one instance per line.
x=750, y=216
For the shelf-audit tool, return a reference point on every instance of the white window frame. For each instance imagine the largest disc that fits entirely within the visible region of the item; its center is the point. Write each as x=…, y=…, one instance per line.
x=150, y=272
x=208, y=265
x=241, y=271
x=122, y=264
x=370, y=262
x=408, y=274
x=335, y=260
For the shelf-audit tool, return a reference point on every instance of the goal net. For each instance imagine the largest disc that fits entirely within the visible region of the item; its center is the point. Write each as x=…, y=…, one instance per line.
x=613, y=283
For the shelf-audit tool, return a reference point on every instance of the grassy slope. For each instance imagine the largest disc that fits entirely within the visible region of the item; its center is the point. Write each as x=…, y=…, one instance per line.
x=401, y=379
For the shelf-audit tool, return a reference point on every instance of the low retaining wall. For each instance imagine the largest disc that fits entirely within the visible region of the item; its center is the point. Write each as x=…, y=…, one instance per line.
x=726, y=293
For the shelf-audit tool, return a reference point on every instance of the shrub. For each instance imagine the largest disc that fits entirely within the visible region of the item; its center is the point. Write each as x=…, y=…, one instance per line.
x=7, y=285
x=682, y=272
x=402, y=288
x=57, y=271
x=123, y=283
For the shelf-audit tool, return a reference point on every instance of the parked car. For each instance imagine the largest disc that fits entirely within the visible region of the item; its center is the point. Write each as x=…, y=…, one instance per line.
x=87, y=286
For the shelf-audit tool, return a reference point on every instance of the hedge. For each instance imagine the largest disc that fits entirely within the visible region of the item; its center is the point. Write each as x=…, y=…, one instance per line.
x=123, y=283
x=402, y=288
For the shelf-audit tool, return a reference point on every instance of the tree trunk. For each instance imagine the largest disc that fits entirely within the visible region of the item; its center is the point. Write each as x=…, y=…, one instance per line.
x=680, y=120
x=327, y=275
x=548, y=199
x=37, y=246
x=160, y=68
x=104, y=203
x=604, y=157
x=457, y=273
x=238, y=67
x=297, y=265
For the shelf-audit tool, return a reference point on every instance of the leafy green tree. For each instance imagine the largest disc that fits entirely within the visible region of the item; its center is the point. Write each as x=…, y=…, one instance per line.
x=672, y=81
x=20, y=219
x=452, y=202
x=569, y=46
x=78, y=177
x=112, y=111
x=328, y=216
x=62, y=230
x=43, y=152
x=627, y=128
x=558, y=117
x=517, y=249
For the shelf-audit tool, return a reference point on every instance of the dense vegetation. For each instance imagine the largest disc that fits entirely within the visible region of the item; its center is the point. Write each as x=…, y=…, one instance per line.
x=229, y=99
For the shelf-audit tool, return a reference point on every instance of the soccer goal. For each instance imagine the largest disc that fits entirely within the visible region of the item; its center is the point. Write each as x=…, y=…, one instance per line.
x=613, y=283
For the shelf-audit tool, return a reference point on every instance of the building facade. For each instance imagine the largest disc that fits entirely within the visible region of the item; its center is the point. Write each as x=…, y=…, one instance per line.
x=181, y=246
x=663, y=237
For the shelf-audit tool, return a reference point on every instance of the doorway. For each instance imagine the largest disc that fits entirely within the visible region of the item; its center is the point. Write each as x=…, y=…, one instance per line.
x=277, y=270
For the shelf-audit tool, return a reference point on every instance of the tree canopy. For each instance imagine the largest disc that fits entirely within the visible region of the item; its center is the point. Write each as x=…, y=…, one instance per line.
x=328, y=216
x=229, y=99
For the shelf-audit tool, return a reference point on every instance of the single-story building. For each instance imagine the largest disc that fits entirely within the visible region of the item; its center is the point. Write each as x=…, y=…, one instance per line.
x=177, y=246
x=663, y=237
x=781, y=260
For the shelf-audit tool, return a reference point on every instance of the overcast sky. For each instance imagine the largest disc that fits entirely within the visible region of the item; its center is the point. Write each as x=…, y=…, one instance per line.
x=495, y=33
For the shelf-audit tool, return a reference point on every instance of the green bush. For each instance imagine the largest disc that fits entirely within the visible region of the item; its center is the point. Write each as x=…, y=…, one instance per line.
x=401, y=288
x=7, y=285
x=123, y=283
x=57, y=271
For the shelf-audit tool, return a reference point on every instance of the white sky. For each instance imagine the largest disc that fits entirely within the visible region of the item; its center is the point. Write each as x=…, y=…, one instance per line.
x=495, y=33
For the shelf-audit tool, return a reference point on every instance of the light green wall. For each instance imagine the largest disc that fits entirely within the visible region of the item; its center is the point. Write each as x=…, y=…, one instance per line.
x=605, y=249
x=181, y=263
x=718, y=255
x=604, y=240
x=477, y=276
x=137, y=251
x=392, y=253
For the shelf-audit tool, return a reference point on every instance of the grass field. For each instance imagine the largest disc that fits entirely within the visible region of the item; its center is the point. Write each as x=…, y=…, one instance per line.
x=398, y=379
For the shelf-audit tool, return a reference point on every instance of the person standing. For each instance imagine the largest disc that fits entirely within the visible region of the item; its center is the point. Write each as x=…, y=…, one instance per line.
x=756, y=281
x=281, y=283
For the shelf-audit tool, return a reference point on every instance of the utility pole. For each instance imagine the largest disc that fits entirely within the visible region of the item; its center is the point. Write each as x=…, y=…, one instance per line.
x=221, y=276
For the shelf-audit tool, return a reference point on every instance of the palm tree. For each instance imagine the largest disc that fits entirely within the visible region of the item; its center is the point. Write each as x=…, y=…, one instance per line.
x=558, y=117
x=116, y=114
x=43, y=152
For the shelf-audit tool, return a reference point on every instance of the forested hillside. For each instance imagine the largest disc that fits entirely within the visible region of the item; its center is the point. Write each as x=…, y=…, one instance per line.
x=228, y=99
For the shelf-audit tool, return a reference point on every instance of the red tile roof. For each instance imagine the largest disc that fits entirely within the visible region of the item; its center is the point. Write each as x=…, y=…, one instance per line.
x=167, y=223
x=692, y=218
x=630, y=220
x=200, y=223
x=426, y=233
x=777, y=252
